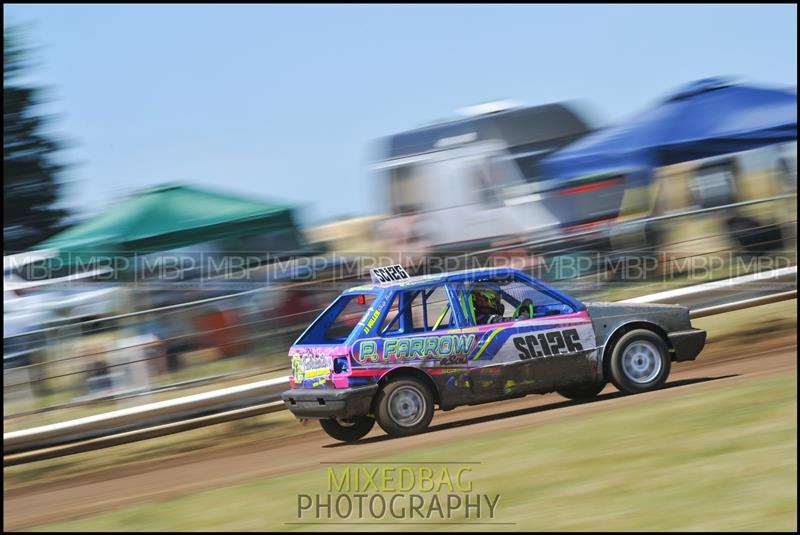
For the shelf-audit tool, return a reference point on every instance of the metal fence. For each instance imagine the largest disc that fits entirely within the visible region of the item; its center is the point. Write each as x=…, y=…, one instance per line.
x=88, y=366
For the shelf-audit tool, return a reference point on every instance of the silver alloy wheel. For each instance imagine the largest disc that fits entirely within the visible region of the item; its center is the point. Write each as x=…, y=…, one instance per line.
x=406, y=406
x=641, y=361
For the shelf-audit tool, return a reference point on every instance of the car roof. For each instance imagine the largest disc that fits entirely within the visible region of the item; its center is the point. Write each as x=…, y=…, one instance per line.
x=436, y=278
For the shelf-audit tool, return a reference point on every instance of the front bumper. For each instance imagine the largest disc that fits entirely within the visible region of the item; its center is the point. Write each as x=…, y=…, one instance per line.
x=687, y=344
x=330, y=403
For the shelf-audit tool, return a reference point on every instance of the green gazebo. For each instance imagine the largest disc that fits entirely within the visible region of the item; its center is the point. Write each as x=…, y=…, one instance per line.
x=171, y=217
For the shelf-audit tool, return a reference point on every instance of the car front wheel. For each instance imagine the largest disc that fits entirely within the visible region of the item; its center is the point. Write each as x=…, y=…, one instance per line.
x=639, y=362
x=347, y=430
x=404, y=407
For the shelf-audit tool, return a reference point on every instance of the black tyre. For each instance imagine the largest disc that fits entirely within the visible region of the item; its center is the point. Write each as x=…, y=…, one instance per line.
x=639, y=362
x=404, y=407
x=582, y=392
x=348, y=430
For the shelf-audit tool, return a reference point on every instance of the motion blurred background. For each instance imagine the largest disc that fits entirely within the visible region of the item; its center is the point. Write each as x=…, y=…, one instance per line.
x=186, y=187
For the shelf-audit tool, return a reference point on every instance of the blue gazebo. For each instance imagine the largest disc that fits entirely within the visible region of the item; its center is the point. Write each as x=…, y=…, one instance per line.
x=705, y=118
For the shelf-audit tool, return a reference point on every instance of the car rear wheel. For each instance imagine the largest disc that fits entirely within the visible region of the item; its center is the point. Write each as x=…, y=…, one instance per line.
x=582, y=392
x=639, y=362
x=404, y=407
x=348, y=430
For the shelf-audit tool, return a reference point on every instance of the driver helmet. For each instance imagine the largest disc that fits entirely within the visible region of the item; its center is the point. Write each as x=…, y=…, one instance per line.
x=486, y=301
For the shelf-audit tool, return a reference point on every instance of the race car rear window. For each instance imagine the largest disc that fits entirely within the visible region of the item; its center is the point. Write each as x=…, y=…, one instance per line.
x=338, y=321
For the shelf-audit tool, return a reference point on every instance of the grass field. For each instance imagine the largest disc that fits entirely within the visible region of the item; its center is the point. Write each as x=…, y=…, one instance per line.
x=721, y=459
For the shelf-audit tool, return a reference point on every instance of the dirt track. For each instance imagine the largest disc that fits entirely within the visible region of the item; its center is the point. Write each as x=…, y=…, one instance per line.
x=103, y=490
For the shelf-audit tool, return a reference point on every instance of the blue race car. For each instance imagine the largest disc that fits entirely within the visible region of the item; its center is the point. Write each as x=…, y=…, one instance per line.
x=390, y=351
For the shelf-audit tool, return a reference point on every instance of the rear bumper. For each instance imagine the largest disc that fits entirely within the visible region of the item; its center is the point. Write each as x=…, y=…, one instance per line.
x=330, y=403
x=687, y=344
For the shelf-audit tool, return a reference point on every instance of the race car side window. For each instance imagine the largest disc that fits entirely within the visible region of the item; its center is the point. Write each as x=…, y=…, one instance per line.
x=415, y=311
x=520, y=299
x=527, y=298
x=439, y=314
x=392, y=324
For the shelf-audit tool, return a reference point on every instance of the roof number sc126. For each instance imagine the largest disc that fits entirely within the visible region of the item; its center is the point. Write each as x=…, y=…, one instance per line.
x=389, y=274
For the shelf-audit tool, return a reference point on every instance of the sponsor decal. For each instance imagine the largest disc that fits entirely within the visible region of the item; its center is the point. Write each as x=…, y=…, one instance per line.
x=311, y=370
x=371, y=321
x=415, y=348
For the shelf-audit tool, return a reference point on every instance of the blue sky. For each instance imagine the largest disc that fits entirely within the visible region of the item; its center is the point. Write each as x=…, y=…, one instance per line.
x=282, y=101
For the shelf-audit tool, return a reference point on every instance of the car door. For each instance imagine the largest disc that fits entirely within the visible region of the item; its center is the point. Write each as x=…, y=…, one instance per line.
x=422, y=331
x=520, y=355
